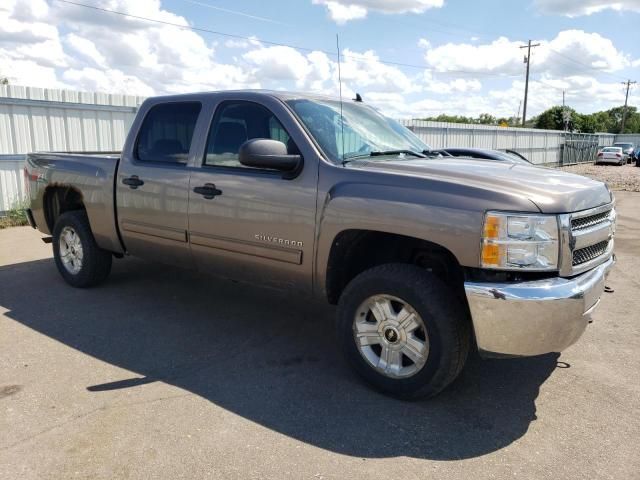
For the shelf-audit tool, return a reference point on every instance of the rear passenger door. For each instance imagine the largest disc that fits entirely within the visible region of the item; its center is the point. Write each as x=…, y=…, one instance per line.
x=153, y=183
x=259, y=226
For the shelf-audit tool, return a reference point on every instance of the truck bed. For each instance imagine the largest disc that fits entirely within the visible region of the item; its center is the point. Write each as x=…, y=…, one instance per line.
x=88, y=174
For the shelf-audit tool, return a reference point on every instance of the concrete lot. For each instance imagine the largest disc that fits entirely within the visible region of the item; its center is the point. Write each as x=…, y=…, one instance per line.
x=161, y=373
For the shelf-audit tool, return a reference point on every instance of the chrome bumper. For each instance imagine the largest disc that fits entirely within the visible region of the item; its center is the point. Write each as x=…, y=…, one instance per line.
x=533, y=318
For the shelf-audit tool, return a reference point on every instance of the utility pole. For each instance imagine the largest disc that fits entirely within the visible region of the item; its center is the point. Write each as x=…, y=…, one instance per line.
x=517, y=117
x=527, y=60
x=628, y=83
x=566, y=116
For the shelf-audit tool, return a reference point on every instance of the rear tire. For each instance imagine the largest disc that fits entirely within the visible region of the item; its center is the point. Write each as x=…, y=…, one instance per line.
x=375, y=347
x=79, y=259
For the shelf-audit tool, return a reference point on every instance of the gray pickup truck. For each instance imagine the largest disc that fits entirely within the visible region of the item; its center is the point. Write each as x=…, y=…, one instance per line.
x=424, y=257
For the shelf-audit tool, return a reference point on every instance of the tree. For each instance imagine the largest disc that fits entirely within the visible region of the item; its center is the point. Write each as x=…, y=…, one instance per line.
x=608, y=121
x=486, y=119
x=553, y=119
x=483, y=119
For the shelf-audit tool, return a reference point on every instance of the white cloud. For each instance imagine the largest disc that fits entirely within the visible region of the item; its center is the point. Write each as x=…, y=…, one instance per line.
x=585, y=94
x=458, y=85
x=500, y=56
x=576, y=8
x=570, y=52
x=279, y=63
x=342, y=11
x=95, y=80
x=364, y=70
x=28, y=72
x=86, y=49
x=233, y=43
x=53, y=45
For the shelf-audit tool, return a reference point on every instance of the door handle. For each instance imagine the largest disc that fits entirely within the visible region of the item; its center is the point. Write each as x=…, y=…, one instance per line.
x=208, y=191
x=133, y=181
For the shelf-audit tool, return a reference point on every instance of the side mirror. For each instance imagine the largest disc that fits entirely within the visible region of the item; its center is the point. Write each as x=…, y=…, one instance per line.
x=269, y=154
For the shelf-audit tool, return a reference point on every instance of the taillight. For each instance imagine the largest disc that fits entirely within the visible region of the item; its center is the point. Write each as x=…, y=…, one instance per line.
x=619, y=155
x=600, y=154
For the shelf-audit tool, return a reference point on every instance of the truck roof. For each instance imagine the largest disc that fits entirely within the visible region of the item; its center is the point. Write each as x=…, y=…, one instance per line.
x=255, y=93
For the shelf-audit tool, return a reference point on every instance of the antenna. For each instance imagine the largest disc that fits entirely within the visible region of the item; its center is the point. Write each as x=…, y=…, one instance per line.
x=340, y=87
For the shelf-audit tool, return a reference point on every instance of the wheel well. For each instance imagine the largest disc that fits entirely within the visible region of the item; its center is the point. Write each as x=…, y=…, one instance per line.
x=354, y=251
x=58, y=200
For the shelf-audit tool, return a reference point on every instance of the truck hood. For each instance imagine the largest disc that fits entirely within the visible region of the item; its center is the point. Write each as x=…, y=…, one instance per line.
x=552, y=190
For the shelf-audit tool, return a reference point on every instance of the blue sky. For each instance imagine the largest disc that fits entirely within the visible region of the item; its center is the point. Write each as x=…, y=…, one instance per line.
x=465, y=55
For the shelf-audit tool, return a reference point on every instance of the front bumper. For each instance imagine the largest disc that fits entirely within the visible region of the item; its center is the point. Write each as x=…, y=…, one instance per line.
x=537, y=317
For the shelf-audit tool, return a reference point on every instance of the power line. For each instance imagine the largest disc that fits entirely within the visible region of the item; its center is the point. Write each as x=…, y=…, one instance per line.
x=586, y=67
x=233, y=12
x=189, y=27
x=359, y=57
x=280, y=44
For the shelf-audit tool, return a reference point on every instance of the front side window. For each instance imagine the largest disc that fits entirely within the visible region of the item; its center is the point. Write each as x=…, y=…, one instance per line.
x=166, y=133
x=236, y=122
x=353, y=129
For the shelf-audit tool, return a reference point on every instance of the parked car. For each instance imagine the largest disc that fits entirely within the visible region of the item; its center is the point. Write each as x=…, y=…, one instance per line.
x=424, y=257
x=627, y=150
x=613, y=155
x=487, y=154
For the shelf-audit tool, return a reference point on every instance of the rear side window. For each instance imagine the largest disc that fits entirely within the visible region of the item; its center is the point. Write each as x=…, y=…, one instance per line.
x=166, y=133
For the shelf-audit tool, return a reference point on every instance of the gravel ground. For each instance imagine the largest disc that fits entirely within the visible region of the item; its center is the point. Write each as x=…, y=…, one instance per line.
x=625, y=178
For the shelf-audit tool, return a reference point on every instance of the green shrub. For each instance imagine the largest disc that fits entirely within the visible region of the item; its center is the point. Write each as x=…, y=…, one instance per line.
x=15, y=217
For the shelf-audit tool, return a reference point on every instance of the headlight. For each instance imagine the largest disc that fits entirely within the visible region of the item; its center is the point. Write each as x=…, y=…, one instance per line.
x=519, y=242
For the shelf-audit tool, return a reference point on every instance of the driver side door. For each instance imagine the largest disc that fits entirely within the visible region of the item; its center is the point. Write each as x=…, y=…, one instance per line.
x=258, y=227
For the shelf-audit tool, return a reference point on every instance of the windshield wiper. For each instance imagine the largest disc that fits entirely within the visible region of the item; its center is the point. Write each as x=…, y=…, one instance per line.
x=380, y=153
x=396, y=152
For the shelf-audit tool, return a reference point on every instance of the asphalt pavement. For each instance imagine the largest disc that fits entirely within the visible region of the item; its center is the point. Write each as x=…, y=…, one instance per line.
x=169, y=374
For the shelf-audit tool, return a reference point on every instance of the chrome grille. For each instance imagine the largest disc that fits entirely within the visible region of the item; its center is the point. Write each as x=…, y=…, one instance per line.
x=586, y=254
x=586, y=239
x=590, y=221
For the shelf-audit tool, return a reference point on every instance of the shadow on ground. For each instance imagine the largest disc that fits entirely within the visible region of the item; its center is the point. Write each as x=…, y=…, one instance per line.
x=268, y=358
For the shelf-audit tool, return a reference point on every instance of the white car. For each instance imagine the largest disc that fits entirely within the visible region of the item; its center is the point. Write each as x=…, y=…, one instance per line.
x=611, y=155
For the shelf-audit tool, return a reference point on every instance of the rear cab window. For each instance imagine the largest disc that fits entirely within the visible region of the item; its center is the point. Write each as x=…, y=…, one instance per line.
x=167, y=132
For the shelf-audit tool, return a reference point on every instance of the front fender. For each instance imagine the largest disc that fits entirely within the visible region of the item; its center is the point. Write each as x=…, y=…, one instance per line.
x=446, y=217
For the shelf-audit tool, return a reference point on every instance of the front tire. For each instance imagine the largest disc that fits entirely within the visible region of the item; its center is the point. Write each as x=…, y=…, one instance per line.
x=403, y=330
x=79, y=259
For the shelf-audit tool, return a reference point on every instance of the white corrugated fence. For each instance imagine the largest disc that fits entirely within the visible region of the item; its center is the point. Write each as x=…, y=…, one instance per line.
x=37, y=119
x=11, y=182
x=550, y=147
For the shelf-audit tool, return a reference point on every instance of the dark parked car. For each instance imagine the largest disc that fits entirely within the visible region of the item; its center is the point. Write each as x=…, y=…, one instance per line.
x=487, y=154
x=627, y=150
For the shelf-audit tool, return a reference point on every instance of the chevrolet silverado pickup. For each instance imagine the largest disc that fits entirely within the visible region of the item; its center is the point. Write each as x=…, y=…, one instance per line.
x=424, y=257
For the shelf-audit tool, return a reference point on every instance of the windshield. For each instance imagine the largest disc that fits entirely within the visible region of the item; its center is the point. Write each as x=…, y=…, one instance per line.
x=361, y=132
x=612, y=149
x=624, y=145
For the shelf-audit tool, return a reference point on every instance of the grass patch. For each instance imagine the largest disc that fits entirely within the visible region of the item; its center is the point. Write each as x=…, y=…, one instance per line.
x=16, y=217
